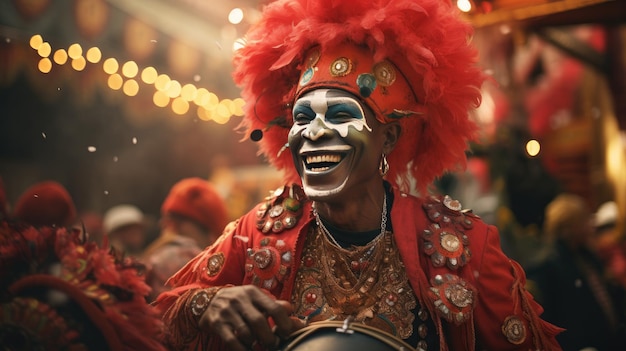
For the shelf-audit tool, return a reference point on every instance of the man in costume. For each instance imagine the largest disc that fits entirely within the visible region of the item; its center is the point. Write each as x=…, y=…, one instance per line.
x=361, y=103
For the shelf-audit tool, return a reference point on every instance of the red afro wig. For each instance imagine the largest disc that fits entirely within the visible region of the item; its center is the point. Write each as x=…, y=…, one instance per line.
x=426, y=39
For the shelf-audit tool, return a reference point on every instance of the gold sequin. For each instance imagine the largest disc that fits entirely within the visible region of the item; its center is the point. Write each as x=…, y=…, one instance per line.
x=385, y=73
x=341, y=67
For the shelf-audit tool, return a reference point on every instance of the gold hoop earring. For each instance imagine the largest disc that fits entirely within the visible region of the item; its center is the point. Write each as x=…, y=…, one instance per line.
x=384, y=166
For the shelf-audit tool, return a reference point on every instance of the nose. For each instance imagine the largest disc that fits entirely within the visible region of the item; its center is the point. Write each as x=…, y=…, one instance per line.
x=316, y=130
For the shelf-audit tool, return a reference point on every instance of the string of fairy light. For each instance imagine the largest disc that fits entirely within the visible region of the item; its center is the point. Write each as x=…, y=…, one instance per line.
x=125, y=76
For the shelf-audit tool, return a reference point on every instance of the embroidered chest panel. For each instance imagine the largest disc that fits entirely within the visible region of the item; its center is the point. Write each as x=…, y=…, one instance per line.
x=372, y=285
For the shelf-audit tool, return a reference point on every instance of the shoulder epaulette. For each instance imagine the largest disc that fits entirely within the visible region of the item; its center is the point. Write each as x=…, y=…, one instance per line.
x=445, y=240
x=281, y=210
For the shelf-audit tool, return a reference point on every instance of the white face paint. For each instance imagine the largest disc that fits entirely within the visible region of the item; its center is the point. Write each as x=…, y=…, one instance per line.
x=319, y=102
x=329, y=141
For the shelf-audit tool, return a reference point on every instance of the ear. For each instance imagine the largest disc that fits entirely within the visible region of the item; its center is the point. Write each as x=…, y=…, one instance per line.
x=392, y=134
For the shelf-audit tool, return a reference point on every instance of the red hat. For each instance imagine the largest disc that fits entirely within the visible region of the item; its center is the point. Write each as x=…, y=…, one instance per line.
x=424, y=44
x=46, y=203
x=198, y=200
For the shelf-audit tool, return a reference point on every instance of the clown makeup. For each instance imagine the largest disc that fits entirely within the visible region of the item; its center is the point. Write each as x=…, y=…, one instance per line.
x=332, y=143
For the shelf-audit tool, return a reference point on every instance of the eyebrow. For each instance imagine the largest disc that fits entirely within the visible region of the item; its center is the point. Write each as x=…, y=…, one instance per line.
x=305, y=103
x=338, y=100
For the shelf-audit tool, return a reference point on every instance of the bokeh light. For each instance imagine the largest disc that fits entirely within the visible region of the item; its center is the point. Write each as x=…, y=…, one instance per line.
x=36, y=41
x=180, y=106
x=131, y=87
x=75, y=51
x=235, y=16
x=115, y=81
x=45, y=65
x=44, y=49
x=60, y=57
x=94, y=55
x=149, y=75
x=533, y=147
x=79, y=63
x=130, y=69
x=110, y=66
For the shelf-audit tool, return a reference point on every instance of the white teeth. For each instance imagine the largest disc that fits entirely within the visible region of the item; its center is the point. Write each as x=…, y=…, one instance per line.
x=323, y=158
x=320, y=169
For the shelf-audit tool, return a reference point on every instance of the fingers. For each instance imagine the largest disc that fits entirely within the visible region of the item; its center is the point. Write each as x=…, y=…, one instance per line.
x=226, y=333
x=243, y=315
x=284, y=327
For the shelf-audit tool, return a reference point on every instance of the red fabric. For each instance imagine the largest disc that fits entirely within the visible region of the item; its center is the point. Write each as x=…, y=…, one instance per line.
x=198, y=200
x=499, y=280
x=46, y=203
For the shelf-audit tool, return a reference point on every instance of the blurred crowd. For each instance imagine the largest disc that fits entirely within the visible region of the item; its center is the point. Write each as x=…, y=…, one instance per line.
x=61, y=266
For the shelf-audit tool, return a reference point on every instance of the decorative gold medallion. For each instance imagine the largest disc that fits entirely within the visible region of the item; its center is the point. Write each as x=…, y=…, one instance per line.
x=341, y=67
x=453, y=298
x=215, y=264
x=385, y=73
x=269, y=263
x=514, y=330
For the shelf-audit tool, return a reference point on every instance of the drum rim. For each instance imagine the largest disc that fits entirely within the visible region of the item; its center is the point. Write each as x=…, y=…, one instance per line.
x=391, y=340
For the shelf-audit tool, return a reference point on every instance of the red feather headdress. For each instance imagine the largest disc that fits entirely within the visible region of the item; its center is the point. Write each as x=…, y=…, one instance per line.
x=425, y=39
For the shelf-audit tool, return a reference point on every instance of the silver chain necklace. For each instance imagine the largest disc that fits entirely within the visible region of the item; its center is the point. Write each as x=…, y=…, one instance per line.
x=383, y=224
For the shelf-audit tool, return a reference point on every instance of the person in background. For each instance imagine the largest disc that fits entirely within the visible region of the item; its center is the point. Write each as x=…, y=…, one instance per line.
x=610, y=245
x=362, y=104
x=126, y=229
x=193, y=215
x=47, y=203
x=569, y=281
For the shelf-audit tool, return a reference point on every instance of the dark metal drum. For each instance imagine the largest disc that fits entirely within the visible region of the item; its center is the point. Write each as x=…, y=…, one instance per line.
x=342, y=336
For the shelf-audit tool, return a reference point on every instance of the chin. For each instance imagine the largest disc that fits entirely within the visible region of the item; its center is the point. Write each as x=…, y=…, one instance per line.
x=321, y=193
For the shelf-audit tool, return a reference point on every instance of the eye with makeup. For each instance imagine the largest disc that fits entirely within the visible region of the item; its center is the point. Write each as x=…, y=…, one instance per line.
x=342, y=113
x=302, y=114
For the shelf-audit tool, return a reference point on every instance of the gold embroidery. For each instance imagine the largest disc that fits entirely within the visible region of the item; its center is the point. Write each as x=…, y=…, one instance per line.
x=368, y=283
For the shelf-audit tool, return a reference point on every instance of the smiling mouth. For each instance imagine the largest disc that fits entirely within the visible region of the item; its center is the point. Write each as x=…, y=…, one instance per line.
x=322, y=162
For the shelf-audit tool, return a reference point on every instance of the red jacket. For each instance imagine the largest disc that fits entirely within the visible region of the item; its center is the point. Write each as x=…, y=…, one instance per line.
x=502, y=315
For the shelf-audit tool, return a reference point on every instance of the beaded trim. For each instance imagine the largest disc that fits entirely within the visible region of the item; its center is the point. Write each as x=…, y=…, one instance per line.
x=201, y=300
